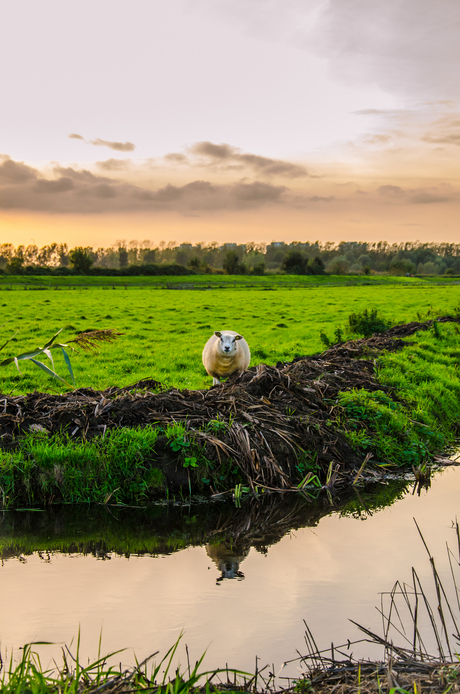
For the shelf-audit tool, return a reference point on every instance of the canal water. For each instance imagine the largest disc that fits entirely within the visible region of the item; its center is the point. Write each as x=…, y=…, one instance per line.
x=239, y=583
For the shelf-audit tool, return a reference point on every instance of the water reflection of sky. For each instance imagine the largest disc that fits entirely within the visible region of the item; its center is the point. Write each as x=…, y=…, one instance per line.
x=325, y=575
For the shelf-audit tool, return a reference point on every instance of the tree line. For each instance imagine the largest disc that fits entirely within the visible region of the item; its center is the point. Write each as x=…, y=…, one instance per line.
x=297, y=258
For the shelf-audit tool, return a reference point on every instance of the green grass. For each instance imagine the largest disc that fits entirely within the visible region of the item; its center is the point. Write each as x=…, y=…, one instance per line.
x=73, y=677
x=165, y=331
x=404, y=429
x=203, y=281
x=117, y=467
x=164, y=334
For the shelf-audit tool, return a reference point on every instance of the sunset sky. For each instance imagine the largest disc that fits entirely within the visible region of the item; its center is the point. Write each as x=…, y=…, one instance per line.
x=229, y=120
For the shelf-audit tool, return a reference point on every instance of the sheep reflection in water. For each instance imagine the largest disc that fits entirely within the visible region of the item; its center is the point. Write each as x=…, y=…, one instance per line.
x=228, y=557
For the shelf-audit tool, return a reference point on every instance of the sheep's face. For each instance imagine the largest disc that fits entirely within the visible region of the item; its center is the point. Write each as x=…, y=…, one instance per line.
x=227, y=343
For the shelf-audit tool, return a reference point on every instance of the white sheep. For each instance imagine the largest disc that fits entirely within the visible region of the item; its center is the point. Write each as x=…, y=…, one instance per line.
x=224, y=353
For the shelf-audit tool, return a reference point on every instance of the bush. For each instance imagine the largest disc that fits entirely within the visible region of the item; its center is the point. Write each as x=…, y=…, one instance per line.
x=367, y=323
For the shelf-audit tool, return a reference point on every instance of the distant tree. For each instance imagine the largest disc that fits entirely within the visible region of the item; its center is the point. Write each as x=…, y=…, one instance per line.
x=428, y=268
x=122, y=256
x=194, y=263
x=232, y=265
x=149, y=256
x=16, y=263
x=402, y=266
x=15, y=266
x=63, y=254
x=316, y=266
x=81, y=260
x=295, y=263
x=258, y=269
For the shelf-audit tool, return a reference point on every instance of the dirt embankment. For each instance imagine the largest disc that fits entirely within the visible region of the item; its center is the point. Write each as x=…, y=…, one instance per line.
x=271, y=413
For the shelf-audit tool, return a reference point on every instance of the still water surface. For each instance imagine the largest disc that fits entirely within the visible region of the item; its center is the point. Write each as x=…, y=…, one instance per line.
x=324, y=574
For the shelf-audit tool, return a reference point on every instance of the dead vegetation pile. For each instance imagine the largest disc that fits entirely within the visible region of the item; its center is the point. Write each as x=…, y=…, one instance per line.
x=262, y=419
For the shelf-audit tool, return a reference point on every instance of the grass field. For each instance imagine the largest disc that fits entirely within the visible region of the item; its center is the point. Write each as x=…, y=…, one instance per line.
x=165, y=331
x=44, y=282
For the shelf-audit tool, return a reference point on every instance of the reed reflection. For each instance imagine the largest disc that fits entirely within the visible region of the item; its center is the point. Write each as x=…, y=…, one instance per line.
x=225, y=531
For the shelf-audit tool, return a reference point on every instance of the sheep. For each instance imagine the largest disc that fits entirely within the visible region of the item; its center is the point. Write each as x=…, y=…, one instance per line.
x=224, y=353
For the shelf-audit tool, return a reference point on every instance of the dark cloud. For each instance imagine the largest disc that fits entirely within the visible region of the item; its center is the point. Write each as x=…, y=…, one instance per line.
x=416, y=196
x=114, y=164
x=423, y=197
x=208, y=149
x=103, y=191
x=229, y=157
x=391, y=191
x=80, y=191
x=257, y=192
x=15, y=172
x=75, y=136
x=62, y=185
x=118, y=146
x=176, y=158
x=79, y=175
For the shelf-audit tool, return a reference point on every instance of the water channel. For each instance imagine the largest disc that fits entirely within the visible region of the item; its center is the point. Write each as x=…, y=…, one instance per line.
x=237, y=581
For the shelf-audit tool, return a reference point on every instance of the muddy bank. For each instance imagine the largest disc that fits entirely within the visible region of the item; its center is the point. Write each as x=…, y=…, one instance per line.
x=273, y=422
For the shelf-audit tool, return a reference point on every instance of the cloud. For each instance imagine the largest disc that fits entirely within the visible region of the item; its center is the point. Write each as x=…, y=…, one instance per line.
x=405, y=47
x=118, y=146
x=409, y=48
x=80, y=191
x=227, y=157
x=176, y=158
x=14, y=172
x=79, y=175
x=257, y=192
x=444, y=131
x=391, y=191
x=114, y=164
x=423, y=197
x=417, y=196
x=61, y=185
x=377, y=139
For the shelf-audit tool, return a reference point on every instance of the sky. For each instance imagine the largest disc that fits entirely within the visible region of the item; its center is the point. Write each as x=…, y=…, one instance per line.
x=229, y=121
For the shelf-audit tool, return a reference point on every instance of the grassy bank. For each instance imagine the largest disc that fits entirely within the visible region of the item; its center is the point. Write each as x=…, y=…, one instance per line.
x=360, y=416
x=421, y=414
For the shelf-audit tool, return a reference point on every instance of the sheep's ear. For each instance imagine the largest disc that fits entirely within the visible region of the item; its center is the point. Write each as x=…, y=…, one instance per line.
x=238, y=337
x=218, y=334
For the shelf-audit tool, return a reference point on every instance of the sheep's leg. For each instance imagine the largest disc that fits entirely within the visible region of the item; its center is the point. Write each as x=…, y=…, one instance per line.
x=216, y=381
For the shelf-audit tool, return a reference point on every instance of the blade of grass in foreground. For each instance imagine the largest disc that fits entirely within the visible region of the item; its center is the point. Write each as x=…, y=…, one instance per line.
x=73, y=678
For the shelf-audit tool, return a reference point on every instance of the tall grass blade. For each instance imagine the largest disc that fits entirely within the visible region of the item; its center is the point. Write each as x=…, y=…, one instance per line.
x=49, y=371
x=69, y=365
